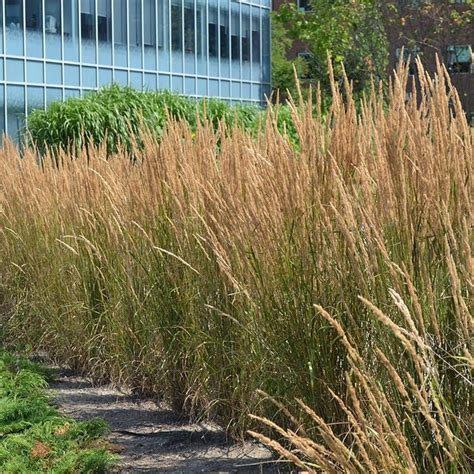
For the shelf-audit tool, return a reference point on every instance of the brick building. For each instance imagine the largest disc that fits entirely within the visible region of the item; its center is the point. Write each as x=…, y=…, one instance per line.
x=453, y=46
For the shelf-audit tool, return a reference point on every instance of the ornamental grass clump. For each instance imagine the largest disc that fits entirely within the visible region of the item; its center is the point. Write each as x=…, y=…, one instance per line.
x=336, y=276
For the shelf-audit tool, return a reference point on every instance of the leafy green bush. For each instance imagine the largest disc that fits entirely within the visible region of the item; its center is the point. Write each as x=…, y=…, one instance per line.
x=118, y=117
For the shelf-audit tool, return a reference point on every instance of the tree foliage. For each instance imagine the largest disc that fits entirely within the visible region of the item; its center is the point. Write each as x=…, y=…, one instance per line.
x=284, y=71
x=350, y=31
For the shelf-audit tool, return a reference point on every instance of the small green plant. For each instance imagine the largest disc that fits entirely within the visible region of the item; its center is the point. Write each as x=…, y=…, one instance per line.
x=34, y=436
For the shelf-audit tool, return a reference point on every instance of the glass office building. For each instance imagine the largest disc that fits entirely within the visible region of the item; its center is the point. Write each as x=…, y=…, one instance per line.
x=54, y=49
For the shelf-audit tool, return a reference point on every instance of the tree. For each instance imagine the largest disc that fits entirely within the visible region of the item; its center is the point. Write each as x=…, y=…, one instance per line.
x=428, y=23
x=351, y=31
x=284, y=69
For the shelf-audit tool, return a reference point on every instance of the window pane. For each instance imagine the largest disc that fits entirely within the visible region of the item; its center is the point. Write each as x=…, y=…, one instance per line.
x=235, y=40
x=15, y=110
x=34, y=28
x=189, y=36
x=224, y=38
x=120, y=33
x=53, y=94
x=88, y=31
x=213, y=37
x=54, y=74
x=71, y=30
x=255, y=44
x=14, y=26
x=35, y=98
x=135, y=24
x=104, y=27
x=177, y=36
x=52, y=28
x=1, y=40
x=15, y=70
x=35, y=72
x=149, y=33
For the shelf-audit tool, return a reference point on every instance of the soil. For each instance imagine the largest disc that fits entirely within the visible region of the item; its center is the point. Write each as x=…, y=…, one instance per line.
x=150, y=437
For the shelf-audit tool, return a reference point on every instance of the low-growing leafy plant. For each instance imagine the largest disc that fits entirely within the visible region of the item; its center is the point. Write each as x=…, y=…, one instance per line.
x=34, y=436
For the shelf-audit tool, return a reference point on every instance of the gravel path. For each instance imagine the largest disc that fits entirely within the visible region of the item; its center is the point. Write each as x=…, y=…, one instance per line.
x=153, y=438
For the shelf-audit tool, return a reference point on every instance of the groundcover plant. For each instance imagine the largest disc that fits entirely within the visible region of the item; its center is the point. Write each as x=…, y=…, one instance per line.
x=336, y=276
x=34, y=436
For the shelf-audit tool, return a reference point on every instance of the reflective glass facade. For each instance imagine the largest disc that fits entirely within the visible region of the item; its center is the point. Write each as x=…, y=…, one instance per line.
x=54, y=49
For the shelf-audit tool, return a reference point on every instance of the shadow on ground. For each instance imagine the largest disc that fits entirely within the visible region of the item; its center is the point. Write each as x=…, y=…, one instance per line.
x=152, y=438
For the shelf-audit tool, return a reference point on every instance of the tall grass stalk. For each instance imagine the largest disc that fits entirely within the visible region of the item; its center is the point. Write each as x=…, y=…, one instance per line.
x=194, y=274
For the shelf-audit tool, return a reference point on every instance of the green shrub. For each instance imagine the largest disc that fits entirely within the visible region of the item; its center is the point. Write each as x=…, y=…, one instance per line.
x=118, y=117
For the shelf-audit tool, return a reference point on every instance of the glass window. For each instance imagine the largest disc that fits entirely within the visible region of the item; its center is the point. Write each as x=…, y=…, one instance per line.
x=177, y=84
x=52, y=28
x=201, y=35
x=71, y=30
x=190, y=86
x=164, y=82
x=176, y=26
x=213, y=38
x=35, y=98
x=213, y=87
x=266, y=48
x=150, y=82
x=34, y=28
x=71, y=93
x=15, y=110
x=135, y=25
x=224, y=39
x=104, y=30
x=88, y=31
x=224, y=33
x=136, y=80
x=149, y=33
x=72, y=75
x=89, y=77
x=1, y=36
x=189, y=36
x=236, y=90
x=163, y=36
x=235, y=33
x=235, y=42
x=225, y=89
x=245, y=28
x=105, y=77
x=256, y=44
x=120, y=33
x=2, y=112
x=202, y=87
x=121, y=77
x=35, y=72
x=53, y=94
x=459, y=59
x=15, y=70
x=54, y=74
x=177, y=35
x=14, y=27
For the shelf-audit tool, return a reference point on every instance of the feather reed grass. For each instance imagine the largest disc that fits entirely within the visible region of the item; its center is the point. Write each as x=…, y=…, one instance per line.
x=193, y=274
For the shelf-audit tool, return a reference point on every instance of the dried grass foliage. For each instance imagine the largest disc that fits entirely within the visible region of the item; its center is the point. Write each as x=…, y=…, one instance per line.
x=193, y=273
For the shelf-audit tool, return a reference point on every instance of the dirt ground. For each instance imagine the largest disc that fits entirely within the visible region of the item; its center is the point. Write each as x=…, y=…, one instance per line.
x=153, y=438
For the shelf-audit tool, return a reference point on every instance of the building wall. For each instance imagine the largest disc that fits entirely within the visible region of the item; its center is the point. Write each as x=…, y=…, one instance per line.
x=397, y=35
x=418, y=26
x=54, y=49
